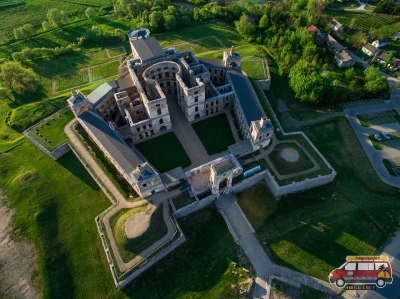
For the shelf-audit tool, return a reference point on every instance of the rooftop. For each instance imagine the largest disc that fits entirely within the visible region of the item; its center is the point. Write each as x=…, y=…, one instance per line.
x=334, y=44
x=147, y=48
x=111, y=142
x=370, y=48
x=245, y=95
x=102, y=92
x=343, y=56
x=223, y=165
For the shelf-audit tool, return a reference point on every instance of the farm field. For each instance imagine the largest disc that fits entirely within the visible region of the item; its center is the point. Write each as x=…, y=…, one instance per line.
x=324, y=225
x=72, y=79
x=34, y=12
x=362, y=21
x=104, y=71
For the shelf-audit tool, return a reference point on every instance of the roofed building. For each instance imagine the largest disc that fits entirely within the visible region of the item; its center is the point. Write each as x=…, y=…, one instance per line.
x=335, y=25
x=379, y=43
x=370, y=50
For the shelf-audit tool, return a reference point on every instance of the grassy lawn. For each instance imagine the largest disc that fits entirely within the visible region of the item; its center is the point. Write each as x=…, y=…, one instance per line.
x=173, y=154
x=375, y=143
x=52, y=130
x=56, y=203
x=282, y=290
x=285, y=167
x=215, y=133
x=130, y=248
x=113, y=52
x=104, y=71
x=389, y=167
x=253, y=69
x=353, y=215
x=210, y=249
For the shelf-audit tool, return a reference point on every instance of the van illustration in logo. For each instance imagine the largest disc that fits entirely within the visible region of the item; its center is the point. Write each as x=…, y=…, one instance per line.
x=363, y=270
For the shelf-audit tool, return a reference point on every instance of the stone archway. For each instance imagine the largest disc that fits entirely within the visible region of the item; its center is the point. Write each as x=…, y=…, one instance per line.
x=197, y=116
x=226, y=106
x=163, y=129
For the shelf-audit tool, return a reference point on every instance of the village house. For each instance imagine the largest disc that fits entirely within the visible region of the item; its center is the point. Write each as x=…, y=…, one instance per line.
x=370, y=50
x=335, y=25
x=379, y=43
x=343, y=59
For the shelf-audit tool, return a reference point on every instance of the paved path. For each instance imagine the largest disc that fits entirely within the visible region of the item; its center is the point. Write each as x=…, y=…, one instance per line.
x=121, y=202
x=248, y=241
x=262, y=264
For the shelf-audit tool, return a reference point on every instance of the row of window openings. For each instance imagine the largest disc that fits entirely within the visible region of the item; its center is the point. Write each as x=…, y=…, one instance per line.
x=215, y=71
x=168, y=84
x=161, y=121
x=146, y=134
x=160, y=76
x=212, y=111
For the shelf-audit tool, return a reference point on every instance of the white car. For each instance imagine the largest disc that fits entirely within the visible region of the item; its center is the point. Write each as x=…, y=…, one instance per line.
x=378, y=137
x=386, y=135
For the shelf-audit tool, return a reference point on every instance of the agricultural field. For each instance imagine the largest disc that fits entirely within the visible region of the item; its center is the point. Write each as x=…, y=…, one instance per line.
x=34, y=12
x=71, y=79
x=324, y=225
x=362, y=21
x=104, y=71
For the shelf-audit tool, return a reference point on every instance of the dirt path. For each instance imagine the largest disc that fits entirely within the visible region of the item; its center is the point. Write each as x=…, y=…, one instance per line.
x=17, y=260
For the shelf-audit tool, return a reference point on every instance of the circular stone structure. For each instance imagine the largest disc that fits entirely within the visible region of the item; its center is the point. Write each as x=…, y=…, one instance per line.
x=290, y=155
x=138, y=223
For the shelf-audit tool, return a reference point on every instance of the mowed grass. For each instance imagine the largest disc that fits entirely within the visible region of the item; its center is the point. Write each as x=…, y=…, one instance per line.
x=104, y=71
x=254, y=69
x=114, y=52
x=55, y=205
x=130, y=248
x=199, y=268
x=215, y=133
x=52, y=130
x=283, y=290
x=353, y=215
x=285, y=167
x=72, y=79
x=164, y=152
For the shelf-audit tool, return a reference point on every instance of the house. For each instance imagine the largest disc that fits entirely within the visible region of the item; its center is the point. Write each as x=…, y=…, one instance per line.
x=335, y=25
x=314, y=29
x=332, y=44
x=370, y=50
x=382, y=57
x=396, y=37
x=394, y=64
x=380, y=42
x=343, y=59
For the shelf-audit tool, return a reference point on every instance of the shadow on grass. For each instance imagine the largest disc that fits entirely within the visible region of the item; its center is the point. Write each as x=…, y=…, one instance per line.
x=73, y=165
x=57, y=271
x=199, y=265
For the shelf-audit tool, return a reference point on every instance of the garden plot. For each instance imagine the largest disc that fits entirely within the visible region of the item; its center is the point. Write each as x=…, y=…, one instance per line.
x=198, y=46
x=84, y=76
x=115, y=52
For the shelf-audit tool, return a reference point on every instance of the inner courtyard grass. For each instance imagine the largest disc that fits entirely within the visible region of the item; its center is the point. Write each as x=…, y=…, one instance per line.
x=353, y=215
x=285, y=167
x=215, y=133
x=130, y=248
x=164, y=152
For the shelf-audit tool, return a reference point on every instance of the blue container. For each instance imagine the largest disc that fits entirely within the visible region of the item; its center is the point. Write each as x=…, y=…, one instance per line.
x=251, y=171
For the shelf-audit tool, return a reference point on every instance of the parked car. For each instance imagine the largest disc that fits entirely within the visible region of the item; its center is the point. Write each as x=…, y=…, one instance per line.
x=378, y=137
x=386, y=135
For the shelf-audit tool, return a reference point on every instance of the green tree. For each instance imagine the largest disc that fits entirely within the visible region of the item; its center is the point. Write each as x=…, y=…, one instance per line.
x=18, y=79
x=170, y=22
x=245, y=27
x=57, y=17
x=90, y=12
x=156, y=20
x=350, y=74
x=375, y=84
x=264, y=21
x=46, y=25
x=307, y=82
